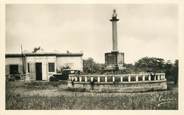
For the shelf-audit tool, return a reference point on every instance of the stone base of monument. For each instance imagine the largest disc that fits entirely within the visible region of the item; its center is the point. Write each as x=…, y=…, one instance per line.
x=114, y=67
x=114, y=60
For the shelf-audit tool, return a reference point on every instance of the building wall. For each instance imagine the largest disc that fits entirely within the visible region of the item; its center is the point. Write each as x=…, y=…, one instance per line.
x=44, y=60
x=74, y=62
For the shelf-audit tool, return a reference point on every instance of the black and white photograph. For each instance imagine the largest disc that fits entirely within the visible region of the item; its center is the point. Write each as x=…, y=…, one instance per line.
x=91, y=57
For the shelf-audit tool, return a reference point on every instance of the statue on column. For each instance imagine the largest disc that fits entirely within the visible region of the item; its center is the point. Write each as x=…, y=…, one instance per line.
x=114, y=13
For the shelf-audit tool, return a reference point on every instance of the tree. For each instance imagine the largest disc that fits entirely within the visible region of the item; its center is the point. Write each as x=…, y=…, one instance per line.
x=156, y=65
x=90, y=66
x=171, y=70
x=62, y=68
x=150, y=64
x=175, y=71
x=99, y=68
x=129, y=68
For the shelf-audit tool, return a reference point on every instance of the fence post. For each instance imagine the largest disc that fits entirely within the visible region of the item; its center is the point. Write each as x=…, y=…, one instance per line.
x=155, y=77
x=86, y=79
x=113, y=78
x=143, y=77
x=136, y=78
x=149, y=78
x=75, y=78
x=121, y=79
x=80, y=79
x=91, y=79
x=158, y=77
x=105, y=78
x=129, y=78
x=98, y=79
x=163, y=76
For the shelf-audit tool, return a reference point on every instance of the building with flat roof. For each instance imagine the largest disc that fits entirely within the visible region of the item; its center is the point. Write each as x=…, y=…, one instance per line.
x=40, y=66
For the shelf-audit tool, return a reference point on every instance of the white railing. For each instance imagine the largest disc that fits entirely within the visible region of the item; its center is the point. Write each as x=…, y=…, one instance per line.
x=118, y=78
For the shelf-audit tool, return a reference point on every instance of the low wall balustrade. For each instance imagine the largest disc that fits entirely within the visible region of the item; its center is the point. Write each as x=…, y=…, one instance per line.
x=146, y=77
x=119, y=82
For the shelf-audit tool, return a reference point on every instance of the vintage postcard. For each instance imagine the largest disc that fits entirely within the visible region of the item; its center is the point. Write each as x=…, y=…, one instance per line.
x=92, y=56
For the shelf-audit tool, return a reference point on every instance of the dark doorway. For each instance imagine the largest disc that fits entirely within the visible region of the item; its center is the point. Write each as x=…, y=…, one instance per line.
x=14, y=69
x=38, y=71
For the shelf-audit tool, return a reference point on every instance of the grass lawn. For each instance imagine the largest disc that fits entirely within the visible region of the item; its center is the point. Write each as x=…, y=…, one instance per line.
x=54, y=96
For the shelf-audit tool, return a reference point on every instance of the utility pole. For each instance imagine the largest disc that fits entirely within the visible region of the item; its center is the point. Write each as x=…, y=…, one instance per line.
x=23, y=62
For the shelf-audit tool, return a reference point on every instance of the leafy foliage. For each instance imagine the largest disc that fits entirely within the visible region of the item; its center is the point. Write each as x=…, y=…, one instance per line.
x=61, y=69
x=90, y=66
x=147, y=64
x=171, y=70
x=156, y=65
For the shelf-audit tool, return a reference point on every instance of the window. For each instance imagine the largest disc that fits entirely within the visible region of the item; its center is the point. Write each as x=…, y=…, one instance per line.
x=51, y=67
x=28, y=67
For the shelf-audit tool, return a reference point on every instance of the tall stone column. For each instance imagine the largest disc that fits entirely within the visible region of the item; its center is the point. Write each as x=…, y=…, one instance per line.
x=114, y=31
x=114, y=36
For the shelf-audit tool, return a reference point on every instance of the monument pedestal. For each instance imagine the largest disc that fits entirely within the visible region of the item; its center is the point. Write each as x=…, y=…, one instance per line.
x=114, y=60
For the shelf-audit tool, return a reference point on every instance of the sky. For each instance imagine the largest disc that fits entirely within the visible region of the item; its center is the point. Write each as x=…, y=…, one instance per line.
x=143, y=30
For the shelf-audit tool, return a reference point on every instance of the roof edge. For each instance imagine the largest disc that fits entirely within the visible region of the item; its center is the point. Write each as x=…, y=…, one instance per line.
x=43, y=54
